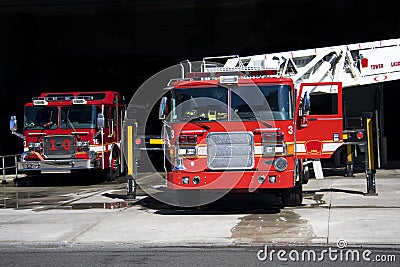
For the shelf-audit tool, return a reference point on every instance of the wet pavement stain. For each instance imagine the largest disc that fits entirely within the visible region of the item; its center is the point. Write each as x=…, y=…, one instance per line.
x=29, y=200
x=316, y=198
x=60, y=195
x=273, y=228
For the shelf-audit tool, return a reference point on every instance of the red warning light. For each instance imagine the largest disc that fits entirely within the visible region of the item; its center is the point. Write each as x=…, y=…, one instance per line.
x=360, y=135
x=138, y=141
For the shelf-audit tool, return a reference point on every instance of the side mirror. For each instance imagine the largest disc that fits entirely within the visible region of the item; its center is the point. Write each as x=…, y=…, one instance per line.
x=163, y=108
x=13, y=124
x=100, y=120
x=305, y=110
x=306, y=103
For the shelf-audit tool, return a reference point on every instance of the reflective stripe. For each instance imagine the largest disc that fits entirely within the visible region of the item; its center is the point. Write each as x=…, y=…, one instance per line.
x=330, y=147
x=258, y=150
x=326, y=147
x=97, y=148
x=202, y=151
x=301, y=148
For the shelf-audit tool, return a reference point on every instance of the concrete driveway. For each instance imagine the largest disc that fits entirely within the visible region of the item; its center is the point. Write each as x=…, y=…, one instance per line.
x=334, y=209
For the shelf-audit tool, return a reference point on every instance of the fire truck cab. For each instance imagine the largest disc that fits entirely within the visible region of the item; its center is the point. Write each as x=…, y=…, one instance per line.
x=72, y=132
x=246, y=129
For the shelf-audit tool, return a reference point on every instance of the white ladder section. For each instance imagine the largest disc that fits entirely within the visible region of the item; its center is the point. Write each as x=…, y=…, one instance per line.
x=353, y=64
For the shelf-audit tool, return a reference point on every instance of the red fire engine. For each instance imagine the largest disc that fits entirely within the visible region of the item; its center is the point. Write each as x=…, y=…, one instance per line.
x=257, y=122
x=245, y=128
x=72, y=132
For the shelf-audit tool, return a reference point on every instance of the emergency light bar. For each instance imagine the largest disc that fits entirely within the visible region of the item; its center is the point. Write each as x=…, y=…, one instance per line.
x=75, y=99
x=243, y=64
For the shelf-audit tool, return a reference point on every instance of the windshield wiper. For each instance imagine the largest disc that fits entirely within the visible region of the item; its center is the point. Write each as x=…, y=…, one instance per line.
x=72, y=126
x=246, y=115
x=269, y=125
x=205, y=127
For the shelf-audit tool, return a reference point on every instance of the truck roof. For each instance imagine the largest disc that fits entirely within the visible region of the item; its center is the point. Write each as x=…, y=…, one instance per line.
x=240, y=81
x=72, y=97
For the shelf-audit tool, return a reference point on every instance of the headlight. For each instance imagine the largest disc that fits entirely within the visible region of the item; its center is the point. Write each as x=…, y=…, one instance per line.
x=280, y=164
x=92, y=154
x=196, y=179
x=82, y=146
x=32, y=145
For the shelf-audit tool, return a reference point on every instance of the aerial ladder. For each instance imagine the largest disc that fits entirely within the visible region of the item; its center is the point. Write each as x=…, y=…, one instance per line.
x=353, y=65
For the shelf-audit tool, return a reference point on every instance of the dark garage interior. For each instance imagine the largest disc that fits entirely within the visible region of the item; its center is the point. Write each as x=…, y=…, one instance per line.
x=85, y=45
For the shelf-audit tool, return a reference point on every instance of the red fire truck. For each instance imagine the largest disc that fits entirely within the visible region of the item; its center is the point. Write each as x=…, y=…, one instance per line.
x=244, y=128
x=72, y=132
x=258, y=123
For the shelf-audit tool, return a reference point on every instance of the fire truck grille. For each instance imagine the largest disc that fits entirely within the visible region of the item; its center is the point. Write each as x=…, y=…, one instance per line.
x=230, y=151
x=59, y=146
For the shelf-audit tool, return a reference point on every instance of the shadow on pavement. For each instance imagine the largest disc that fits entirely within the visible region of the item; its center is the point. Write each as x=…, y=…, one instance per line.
x=62, y=179
x=334, y=190
x=231, y=203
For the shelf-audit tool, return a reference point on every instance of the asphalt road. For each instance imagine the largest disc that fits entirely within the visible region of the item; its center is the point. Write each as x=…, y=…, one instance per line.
x=117, y=255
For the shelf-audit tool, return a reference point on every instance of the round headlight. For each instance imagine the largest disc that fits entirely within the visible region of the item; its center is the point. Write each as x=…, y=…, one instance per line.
x=196, y=179
x=280, y=164
x=92, y=154
x=261, y=179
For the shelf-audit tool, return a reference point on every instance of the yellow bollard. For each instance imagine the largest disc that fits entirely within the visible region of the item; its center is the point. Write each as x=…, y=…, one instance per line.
x=369, y=156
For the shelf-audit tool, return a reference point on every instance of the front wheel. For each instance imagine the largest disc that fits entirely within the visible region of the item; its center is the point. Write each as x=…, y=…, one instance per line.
x=292, y=197
x=113, y=172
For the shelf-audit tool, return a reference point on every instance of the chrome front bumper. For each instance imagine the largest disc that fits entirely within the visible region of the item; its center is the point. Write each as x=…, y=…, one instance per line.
x=58, y=166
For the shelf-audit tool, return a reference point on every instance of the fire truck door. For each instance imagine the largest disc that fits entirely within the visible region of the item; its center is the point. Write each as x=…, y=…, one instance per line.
x=320, y=119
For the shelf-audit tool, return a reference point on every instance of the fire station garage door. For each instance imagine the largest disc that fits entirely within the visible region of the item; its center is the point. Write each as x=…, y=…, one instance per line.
x=391, y=111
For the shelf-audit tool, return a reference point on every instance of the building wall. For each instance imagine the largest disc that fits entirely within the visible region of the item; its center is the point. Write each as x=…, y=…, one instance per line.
x=113, y=45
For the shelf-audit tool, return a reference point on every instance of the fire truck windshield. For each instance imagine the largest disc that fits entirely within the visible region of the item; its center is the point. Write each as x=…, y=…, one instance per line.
x=201, y=104
x=266, y=102
x=72, y=117
x=40, y=117
x=247, y=103
x=76, y=117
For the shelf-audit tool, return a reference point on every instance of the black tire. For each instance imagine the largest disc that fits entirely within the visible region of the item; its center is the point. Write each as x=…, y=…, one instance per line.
x=114, y=171
x=305, y=176
x=188, y=198
x=292, y=197
x=109, y=175
x=22, y=182
x=302, y=172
